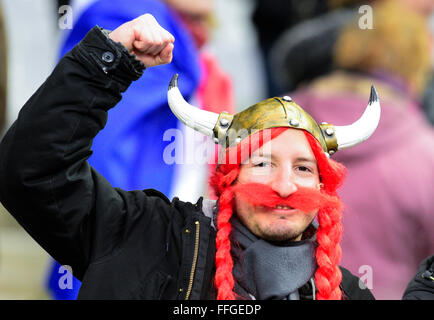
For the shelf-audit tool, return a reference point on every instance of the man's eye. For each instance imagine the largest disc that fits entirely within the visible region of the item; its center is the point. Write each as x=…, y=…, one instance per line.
x=304, y=169
x=261, y=164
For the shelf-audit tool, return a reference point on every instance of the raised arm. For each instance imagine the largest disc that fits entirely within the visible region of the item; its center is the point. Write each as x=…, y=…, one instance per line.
x=45, y=180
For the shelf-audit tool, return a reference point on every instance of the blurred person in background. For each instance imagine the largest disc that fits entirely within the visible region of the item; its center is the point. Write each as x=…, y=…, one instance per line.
x=121, y=151
x=389, y=230
x=271, y=18
x=428, y=99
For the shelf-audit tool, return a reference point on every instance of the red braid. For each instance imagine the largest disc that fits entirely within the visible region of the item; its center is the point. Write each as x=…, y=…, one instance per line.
x=224, y=279
x=221, y=181
x=328, y=276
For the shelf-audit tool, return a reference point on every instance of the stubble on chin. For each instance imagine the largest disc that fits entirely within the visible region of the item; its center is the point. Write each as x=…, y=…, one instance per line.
x=279, y=231
x=280, y=228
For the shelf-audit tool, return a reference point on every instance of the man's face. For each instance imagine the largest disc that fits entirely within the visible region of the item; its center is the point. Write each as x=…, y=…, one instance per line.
x=284, y=164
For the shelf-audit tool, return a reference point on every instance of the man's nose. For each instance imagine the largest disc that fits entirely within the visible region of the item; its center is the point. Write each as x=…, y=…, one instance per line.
x=283, y=183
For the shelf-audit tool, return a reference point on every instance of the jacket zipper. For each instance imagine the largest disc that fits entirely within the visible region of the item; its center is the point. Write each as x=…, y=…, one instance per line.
x=193, y=266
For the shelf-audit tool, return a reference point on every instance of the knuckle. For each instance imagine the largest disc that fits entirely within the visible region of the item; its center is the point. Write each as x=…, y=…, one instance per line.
x=165, y=38
x=136, y=27
x=146, y=16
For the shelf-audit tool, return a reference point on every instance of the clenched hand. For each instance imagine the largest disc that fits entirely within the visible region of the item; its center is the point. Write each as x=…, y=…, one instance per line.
x=146, y=39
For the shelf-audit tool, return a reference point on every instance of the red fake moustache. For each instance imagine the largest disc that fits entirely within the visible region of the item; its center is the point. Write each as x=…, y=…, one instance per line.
x=306, y=200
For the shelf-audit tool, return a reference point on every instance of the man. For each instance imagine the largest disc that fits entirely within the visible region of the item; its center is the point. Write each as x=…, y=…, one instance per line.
x=138, y=244
x=121, y=150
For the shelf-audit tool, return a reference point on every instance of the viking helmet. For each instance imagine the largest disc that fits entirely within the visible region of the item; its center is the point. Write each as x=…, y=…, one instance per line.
x=228, y=130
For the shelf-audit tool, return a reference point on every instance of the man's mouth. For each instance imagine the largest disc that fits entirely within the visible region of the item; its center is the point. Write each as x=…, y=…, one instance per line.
x=280, y=208
x=283, y=207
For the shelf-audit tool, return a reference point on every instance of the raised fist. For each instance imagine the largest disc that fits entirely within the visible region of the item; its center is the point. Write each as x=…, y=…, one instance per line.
x=146, y=39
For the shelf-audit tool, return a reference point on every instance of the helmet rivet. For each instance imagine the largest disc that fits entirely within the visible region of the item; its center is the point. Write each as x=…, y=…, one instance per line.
x=216, y=140
x=294, y=122
x=331, y=152
x=329, y=131
x=224, y=122
x=238, y=140
x=287, y=98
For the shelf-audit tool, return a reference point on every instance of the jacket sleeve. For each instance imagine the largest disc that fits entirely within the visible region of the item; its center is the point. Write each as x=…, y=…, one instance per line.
x=46, y=181
x=421, y=286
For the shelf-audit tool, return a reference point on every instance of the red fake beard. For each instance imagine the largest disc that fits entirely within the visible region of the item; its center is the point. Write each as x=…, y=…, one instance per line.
x=307, y=200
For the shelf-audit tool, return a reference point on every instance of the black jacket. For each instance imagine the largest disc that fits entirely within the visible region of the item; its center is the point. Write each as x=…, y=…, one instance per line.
x=121, y=245
x=421, y=287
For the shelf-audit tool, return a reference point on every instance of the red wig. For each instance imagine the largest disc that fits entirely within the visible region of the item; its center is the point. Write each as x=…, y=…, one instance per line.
x=328, y=275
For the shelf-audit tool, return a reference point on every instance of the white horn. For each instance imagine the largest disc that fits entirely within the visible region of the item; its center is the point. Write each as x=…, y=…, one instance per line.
x=193, y=117
x=362, y=129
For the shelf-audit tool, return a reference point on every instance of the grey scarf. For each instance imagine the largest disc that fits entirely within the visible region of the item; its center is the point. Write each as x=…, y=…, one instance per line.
x=265, y=270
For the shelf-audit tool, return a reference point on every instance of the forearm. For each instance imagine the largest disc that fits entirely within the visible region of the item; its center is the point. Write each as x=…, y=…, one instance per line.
x=46, y=182
x=70, y=107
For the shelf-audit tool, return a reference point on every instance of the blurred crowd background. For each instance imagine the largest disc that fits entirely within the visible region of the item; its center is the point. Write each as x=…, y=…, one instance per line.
x=325, y=54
